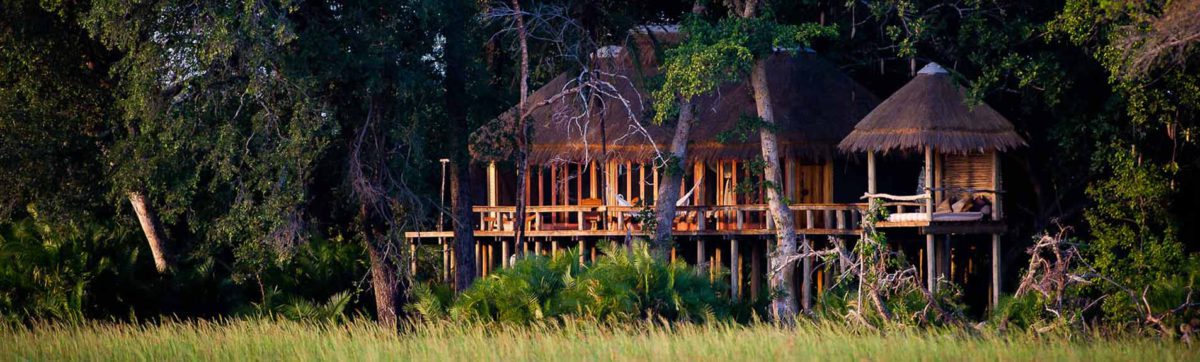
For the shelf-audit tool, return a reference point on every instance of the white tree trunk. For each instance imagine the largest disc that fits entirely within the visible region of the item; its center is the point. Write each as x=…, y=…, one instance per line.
x=159, y=247
x=669, y=183
x=783, y=307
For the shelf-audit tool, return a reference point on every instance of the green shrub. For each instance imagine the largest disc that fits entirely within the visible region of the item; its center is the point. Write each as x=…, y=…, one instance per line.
x=621, y=285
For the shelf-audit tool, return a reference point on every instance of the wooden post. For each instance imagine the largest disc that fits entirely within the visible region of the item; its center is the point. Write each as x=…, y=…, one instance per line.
x=642, y=184
x=581, y=244
x=412, y=258
x=491, y=258
x=806, y=282
x=553, y=248
x=537, y=247
x=654, y=189
x=938, y=164
x=871, y=173
x=446, y=262
x=995, y=270
x=554, y=191
x=734, y=273
x=716, y=266
x=504, y=253
x=755, y=270
x=629, y=181
x=592, y=177
x=930, y=278
x=479, y=257
x=997, y=184
x=700, y=258
x=929, y=182
x=493, y=193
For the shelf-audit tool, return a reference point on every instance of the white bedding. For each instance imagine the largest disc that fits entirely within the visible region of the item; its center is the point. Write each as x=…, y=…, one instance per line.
x=940, y=216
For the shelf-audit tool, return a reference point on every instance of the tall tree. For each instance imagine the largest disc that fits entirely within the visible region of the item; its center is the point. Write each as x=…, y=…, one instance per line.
x=673, y=166
x=457, y=53
x=712, y=54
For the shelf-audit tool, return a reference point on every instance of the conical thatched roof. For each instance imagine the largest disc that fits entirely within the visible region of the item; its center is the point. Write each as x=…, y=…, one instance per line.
x=932, y=111
x=815, y=106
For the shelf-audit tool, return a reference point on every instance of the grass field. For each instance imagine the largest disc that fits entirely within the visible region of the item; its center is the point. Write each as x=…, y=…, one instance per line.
x=275, y=340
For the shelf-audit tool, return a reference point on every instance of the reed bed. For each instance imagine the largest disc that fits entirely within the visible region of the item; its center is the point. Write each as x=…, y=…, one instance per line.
x=362, y=340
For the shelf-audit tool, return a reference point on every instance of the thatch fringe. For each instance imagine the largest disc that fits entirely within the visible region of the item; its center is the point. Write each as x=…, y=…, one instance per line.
x=932, y=111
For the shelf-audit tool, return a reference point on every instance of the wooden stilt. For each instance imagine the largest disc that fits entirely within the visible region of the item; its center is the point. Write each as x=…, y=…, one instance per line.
x=995, y=270
x=806, y=281
x=734, y=272
x=446, y=261
x=756, y=270
x=412, y=258
x=930, y=261
x=701, y=259
x=553, y=248
x=537, y=248
x=504, y=254
x=479, y=258
x=716, y=266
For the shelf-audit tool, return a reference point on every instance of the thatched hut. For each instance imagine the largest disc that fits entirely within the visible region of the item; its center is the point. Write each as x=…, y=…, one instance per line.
x=586, y=143
x=961, y=141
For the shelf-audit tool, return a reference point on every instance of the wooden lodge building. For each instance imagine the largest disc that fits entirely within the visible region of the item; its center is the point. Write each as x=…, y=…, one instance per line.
x=921, y=151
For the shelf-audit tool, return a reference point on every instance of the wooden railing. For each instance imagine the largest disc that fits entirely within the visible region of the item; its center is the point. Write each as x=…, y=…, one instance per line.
x=824, y=218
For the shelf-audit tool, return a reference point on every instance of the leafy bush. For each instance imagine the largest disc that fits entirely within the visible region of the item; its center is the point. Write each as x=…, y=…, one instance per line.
x=51, y=272
x=621, y=285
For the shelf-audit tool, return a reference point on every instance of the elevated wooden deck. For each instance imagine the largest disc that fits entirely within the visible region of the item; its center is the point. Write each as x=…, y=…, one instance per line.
x=619, y=221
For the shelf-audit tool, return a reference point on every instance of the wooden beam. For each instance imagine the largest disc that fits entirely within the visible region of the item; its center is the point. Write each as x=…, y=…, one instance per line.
x=700, y=258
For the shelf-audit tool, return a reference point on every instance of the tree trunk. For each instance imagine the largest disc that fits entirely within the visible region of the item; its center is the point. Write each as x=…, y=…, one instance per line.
x=455, y=57
x=464, y=233
x=669, y=182
x=389, y=287
x=672, y=178
x=164, y=260
x=783, y=307
x=522, y=133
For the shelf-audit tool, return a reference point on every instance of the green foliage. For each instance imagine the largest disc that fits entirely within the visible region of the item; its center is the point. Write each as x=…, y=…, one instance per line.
x=64, y=273
x=713, y=54
x=622, y=285
x=1133, y=233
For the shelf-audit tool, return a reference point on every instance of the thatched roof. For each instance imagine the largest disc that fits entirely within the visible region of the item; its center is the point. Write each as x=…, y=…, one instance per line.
x=815, y=106
x=932, y=111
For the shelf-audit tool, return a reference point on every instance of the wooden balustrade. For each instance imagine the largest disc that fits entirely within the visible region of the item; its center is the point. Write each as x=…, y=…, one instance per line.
x=703, y=219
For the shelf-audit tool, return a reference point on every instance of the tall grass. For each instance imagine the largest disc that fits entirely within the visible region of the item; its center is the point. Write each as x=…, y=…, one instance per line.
x=361, y=340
